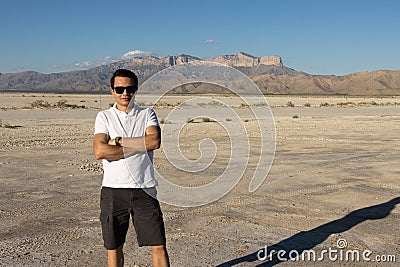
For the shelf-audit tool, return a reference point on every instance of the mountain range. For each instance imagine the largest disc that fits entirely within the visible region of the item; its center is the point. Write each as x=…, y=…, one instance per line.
x=268, y=72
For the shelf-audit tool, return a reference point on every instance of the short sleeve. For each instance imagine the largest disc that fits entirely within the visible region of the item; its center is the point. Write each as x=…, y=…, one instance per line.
x=100, y=125
x=151, y=118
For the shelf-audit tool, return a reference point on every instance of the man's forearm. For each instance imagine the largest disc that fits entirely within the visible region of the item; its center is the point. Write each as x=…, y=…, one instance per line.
x=105, y=148
x=134, y=145
x=109, y=152
x=129, y=146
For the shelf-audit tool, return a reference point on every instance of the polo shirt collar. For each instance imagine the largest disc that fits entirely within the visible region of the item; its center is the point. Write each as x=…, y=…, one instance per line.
x=119, y=112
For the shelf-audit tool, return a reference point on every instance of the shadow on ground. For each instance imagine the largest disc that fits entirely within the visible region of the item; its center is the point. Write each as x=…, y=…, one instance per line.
x=307, y=240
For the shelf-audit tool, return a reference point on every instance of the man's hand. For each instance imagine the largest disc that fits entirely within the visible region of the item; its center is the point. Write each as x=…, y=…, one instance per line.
x=111, y=142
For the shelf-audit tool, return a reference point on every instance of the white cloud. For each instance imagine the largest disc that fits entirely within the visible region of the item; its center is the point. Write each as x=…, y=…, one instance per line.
x=136, y=53
x=85, y=64
x=111, y=59
x=209, y=42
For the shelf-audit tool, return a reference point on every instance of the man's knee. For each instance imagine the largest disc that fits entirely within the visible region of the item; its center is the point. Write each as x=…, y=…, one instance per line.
x=159, y=250
x=116, y=251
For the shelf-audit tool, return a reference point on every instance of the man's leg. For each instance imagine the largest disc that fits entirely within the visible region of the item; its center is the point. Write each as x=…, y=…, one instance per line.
x=159, y=255
x=149, y=226
x=114, y=217
x=116, y=257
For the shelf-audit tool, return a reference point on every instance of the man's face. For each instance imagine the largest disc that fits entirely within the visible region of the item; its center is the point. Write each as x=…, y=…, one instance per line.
x=125, y=97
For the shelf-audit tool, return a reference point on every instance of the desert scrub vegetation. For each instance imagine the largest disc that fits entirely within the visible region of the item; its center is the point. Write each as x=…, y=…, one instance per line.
x=290, y=104
x=359, y=104
x=9, y=126
x=164, y=121
x=346, y=104
x=199, y=120
x=162, y=104
x=62, y=104
x=325, y=104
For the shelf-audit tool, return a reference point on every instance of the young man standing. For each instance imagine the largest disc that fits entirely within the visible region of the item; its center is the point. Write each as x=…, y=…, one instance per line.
x=125, y=137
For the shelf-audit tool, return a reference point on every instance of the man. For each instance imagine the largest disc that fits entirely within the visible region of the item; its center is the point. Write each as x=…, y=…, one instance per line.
x=125, y=137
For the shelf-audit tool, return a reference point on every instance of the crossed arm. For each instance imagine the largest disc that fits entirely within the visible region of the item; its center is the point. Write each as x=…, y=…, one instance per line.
x=105, y=148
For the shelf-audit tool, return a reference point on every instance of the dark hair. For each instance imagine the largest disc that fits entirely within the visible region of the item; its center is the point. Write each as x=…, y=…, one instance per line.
x=124, y=73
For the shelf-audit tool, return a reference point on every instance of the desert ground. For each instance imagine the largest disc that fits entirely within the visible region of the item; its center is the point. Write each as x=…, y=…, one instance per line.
x=335, y=177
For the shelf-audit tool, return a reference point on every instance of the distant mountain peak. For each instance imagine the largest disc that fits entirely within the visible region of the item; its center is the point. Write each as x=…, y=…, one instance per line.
x=242, y=59
x=268, y=72
x=245, y=54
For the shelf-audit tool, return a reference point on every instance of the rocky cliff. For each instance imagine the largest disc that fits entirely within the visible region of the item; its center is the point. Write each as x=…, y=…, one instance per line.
x=245, y=60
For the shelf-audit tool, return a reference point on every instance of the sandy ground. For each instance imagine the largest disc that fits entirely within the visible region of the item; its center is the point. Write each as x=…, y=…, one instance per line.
x=335, y=176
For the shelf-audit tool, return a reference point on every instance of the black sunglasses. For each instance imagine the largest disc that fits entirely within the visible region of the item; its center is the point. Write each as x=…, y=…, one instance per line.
x=129, y=89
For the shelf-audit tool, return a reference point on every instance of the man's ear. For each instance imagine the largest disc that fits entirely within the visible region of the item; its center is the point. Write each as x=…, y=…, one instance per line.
x=111, y=90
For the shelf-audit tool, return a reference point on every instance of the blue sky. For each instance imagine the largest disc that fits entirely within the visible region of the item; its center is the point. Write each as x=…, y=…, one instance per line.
x=319, y=37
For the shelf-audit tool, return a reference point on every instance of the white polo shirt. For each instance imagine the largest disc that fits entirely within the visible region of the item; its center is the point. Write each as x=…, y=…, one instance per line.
x=136, y=171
